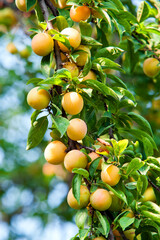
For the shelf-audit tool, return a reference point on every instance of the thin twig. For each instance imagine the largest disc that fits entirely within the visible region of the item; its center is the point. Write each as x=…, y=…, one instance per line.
x=153, y=185
x=52, y=7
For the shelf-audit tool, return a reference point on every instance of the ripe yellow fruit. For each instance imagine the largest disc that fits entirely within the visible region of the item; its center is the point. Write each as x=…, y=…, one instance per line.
x=72, y=103
x=116, y=203
x=99, y=238
x=149, y=195
x=72, y=67
x=130, y=214
x=93, y=156
x=75, y=159
x=90, y=75
x=110, y=175
x=22, y=5
x=84, y=198
x=101, y=199
x=7, y=18
x=73, y=36
x=57, y=170
x=25, y=53
x=77, y=129
x=130, y=234
x=38, y=99
x=83, y=56
x=42, y=44
x=11, y=48
x=80, y=13
x=150, y=67
x=55, y=152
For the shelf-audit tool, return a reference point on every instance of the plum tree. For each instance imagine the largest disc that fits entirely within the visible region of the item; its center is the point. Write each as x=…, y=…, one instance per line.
x=84, y=198
x=77, y=129
x=38, y=98
x=110, y=174
x=75, y=159
x=11, y=48
x=80, y=13
x=83, y=55
x=100, y=199
x=151, y=67
x=22, y=5
x=42, y=44
x=72, y=103
x=93, y=156
x=55, y=152
x=72, y=67
x=73, y=36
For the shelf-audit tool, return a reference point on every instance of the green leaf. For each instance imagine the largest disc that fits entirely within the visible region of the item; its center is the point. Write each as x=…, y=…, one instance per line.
x=61, y=124
x=90, y=41
x=100, y=87
x=83, y=233
x=106, y=63
x=139, y=134
x=93, y=166
x=142, y=184
x=30, y=3
x=127, y=16
x=122, y=144
x=150, y=206
x=87, y=67
x=45, y=65
x=134, y=165
x=143, y=11
x=125, y=93
x=126, y=222
x=116, y=191
x=152, y=30
x=39, y=13
x=36, y=132
x=34, y=81
x=53, y=80
x=34, y=116
x=104, y=222
x=85, y=28
x=155, y=217
x=81, y=217
x=118, y=3
x=61, y=23
x=141, y=121
x=104, y=14
x=76, y=184
x=147, y=147
x=117, y=80
x=109, y=52
x=82, y=172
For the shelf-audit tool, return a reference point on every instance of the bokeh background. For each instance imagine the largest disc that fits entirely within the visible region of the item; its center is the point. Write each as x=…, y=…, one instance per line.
x=32, y=194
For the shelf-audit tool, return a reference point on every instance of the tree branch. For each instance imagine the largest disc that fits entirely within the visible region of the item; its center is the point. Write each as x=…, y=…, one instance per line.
x=153, y=185
x=52, y=7
x=45, y=13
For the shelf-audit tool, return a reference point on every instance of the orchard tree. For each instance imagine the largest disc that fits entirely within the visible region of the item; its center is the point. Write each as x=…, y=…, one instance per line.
x=96, y=134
